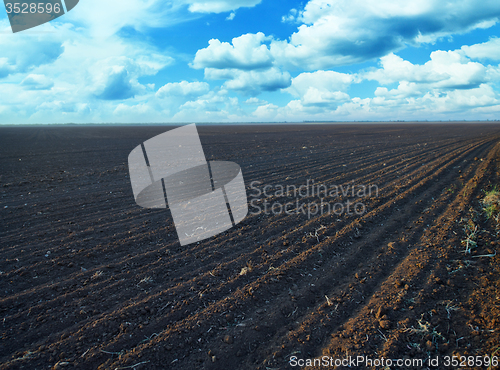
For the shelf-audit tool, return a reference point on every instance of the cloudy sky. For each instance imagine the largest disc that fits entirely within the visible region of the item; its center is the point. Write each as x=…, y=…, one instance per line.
x=133, y=61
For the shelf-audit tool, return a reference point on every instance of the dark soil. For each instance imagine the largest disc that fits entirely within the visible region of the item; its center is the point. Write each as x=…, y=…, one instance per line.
x=89, y=280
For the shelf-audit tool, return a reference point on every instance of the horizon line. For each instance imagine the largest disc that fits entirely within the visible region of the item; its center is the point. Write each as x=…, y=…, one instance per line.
x=248, y=123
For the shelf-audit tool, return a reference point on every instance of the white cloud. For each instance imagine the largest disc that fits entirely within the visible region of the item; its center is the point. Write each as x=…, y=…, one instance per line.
x=337, y=32
x=219, y=6
x=446, y=69
x=183, y=88
x=255, y=101
x=246, y=64
x=486, y=50
x=231, y=16
x=116, y=78
x=26, y=52
x=143, y=14
x=209, y=102
x=405, y=89
x=321, y=87
x=37, y=82
x=60, y=106
x=137, y=14
x=85, y=70
x=472, y=104
x=296, y=111
x=448, y=86
x=315, y=96
x=437, y=102
x=211, y=107
x=70, y=67
x=253, y=82
x=321, y=80
x=215, y=106
x=115, y=85
x=137, y=113
x=266, y=112
x=291, y=17
x=461, y=100
x=247, y=52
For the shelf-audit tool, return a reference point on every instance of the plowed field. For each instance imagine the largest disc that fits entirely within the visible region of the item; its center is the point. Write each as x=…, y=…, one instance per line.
x=89, y=280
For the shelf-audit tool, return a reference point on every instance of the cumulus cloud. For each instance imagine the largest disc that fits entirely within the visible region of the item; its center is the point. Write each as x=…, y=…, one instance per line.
x=5, y=67
x=445, y=70
x=266, y=112
x=433, y=105
x=144, y=14
x=296, y=110
x=448, y=83
x=321, y=87
x=219, y=6
x=447, y=86
x=335, y=33
x=247, y=52
x=61, y=106
x=436, y=102
x=315, y=96
x=117, y=86
x=138, y=14
x=37, y=82
x=478, y=97
x=116, y=78
x=255, y=101
x=73, y=73
x=291, y=17
x=487, y=50
x=215, y=106
x=253, y=82
x=183, y=88
x=137, y=112
x=22, y=54
x=209, y=102
x=322, y=80
x=85, y=68
x=338, y=33
x=80, y=65
x=405, y=89
x=246, y=64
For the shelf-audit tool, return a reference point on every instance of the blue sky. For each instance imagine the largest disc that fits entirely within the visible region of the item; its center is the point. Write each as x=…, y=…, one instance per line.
x=254, y=61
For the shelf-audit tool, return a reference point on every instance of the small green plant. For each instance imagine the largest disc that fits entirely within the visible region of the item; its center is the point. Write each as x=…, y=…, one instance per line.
x=491, y=203
x=490, y=211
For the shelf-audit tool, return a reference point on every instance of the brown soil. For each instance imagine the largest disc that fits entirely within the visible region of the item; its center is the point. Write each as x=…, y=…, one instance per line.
x=89, y=280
